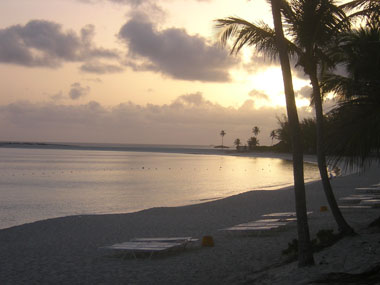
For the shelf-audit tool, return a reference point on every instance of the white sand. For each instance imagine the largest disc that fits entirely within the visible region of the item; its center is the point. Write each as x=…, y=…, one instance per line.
x=65, y=250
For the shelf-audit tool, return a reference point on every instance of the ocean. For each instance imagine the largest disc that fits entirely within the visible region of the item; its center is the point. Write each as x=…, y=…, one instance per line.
x=41, y=181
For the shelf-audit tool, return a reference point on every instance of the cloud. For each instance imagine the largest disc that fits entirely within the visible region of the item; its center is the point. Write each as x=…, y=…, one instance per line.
x=58, y=96
x=95, y=80
x=258, y=94
x=77, y=91
x=259, y=62
x=190, y=119
x=174, y=52
x=305, y=92
x=42, y=43
x=133, y=3
x=100, y=68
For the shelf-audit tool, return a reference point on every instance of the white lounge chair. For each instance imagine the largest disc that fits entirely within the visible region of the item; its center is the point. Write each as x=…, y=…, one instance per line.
x=284, y=214
x=354, y=207
x=251, y=230
x=259, y=227
x=355, y=199
x=374, y=203
x=368, y=190
x=166, y=239
x=150, y=246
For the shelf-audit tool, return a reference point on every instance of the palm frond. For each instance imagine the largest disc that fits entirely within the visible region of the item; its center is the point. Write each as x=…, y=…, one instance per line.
x=354, y=4
x=354, y=137
x=369, y=9
x=338, y=84
x=243, y=33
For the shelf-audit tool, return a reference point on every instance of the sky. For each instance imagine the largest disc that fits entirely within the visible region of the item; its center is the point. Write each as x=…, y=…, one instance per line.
x=135, y=71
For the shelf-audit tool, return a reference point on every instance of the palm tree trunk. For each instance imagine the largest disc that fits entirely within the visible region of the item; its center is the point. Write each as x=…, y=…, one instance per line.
x=305, y=254
x=343, y=226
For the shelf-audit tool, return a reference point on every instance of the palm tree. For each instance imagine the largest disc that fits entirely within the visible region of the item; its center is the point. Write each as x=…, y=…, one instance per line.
x=272, y=135
x=222, y=134
x=312, y=25
x=356, y=119
x=315, y=23
x=237, y=142
x=252, y=142
x=305, y=253
x=370, y=9
x=274, y=44
x=256, y=130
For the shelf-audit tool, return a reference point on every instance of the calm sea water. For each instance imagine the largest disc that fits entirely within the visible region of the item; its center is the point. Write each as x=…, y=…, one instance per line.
x=37, y=184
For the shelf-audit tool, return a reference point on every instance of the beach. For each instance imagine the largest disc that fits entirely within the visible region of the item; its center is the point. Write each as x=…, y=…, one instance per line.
x=67, y=250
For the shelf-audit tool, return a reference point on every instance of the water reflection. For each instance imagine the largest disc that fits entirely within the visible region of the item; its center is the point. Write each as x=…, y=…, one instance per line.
x=39, y=184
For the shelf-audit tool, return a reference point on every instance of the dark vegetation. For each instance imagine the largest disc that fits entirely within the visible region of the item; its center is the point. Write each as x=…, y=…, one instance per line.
x=324, y=239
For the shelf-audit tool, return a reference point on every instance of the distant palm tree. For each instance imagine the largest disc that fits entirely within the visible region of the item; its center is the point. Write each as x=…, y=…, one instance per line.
x=252, y=142
x=237, y=142
x=272, y=135
x=256, y=130
x=222, y=134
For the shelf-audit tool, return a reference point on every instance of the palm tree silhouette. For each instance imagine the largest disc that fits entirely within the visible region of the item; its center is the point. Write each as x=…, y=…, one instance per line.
x=222, y=134
x=256, y=130
x=313, y=26
x=237, y=142
x=272, y=135
x=356, y=118
x=274, y=44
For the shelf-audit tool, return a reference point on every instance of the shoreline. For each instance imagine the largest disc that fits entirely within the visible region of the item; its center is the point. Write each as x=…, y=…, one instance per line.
x=265, y=187
x=284, y=156
x=180, y=149
x=65, y=250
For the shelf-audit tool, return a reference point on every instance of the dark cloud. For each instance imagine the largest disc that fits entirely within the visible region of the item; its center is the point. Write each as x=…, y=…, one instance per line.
x=78, y=91
x=44, y=44
x=133, y=3
x=100, y=68
x=190, y=119
x=57, y=97
x=174, y=52
x=257, y=94
x=305, y=92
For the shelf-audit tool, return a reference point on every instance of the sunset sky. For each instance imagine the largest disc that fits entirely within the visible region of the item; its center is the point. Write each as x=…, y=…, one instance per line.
x=134, y=71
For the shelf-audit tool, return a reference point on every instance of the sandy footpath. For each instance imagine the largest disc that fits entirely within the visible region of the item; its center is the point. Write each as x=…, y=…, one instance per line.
x=65, y=250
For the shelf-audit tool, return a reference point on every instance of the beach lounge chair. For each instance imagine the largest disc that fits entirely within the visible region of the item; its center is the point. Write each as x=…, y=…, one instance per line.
x=355, y=199
x=354, y=207
x=166, y=239
x=368, y=190
x=259, y=227
x=150, y=246
x=374, y=203
x=284, y=215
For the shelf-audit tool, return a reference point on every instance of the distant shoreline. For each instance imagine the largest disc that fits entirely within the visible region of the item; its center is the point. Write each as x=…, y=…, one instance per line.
x=185, y=149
